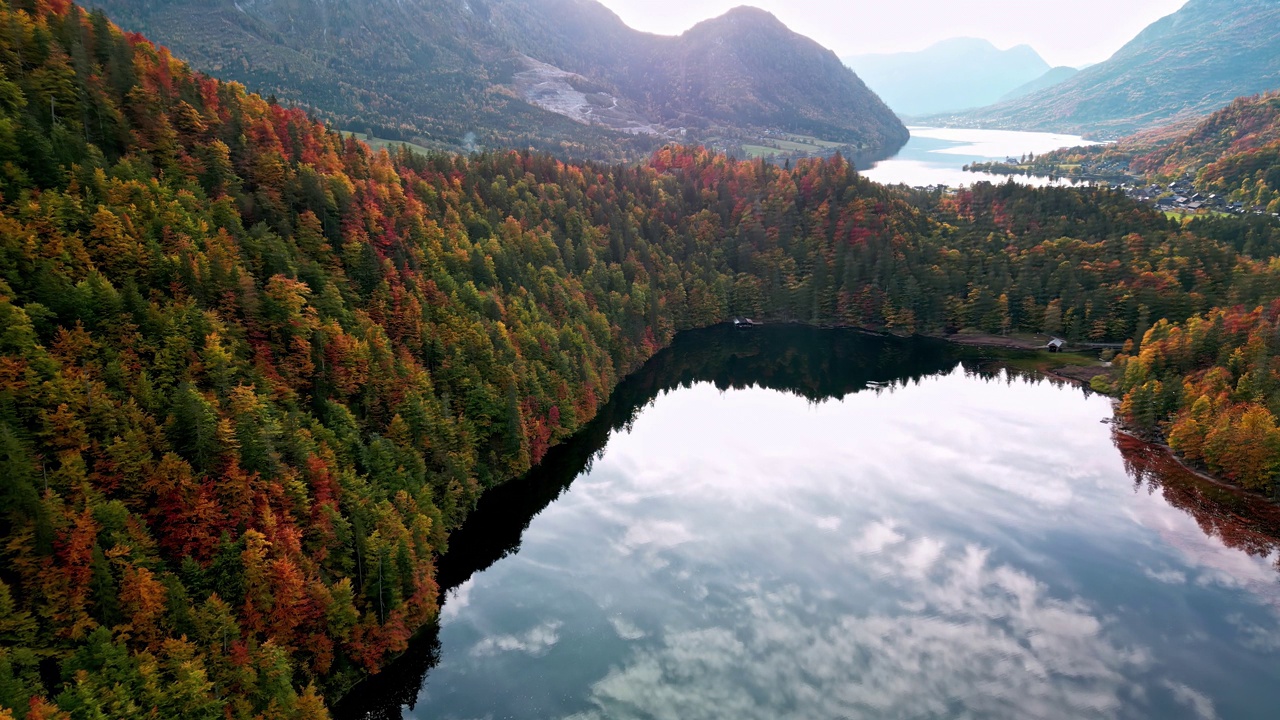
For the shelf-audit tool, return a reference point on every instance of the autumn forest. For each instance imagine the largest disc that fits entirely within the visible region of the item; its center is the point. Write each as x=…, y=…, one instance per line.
x=253, y=373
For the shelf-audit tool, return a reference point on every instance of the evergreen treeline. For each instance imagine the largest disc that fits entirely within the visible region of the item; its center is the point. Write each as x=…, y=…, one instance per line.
x=252, y=374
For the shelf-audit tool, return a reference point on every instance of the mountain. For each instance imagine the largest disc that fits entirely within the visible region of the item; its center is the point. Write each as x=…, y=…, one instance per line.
x=1057, y=75
x=1185, y=65
x=561, y=75
x=952, y=75
x=744, y=68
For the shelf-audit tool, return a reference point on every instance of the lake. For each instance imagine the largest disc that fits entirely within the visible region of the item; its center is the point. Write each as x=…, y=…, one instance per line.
x=937, y=156
x=789, y=522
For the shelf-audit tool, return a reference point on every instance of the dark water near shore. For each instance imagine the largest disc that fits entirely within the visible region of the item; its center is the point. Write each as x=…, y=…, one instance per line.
x=797, y=523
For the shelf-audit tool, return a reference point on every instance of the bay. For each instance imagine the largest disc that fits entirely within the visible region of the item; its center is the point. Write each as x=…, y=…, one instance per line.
x=789, y=523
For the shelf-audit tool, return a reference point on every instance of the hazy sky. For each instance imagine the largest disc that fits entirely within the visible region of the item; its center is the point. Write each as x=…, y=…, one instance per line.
x=1065, y=32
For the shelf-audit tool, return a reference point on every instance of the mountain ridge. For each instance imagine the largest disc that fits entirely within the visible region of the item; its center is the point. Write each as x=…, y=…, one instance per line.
x=1185, y=65
x=568, y=76
x=950, y=75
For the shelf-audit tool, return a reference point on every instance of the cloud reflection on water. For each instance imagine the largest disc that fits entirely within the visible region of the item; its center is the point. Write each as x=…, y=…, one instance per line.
x=948, y=549
x=976, y=635
x=536, y=642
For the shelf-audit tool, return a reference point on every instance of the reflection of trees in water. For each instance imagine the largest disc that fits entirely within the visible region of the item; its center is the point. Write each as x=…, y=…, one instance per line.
x=1242, y=521
x=815, y=364
x=383, y=696
x=818, y=365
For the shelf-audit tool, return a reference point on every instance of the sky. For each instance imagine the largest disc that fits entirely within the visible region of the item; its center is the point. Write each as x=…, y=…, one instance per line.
x=1064, y=32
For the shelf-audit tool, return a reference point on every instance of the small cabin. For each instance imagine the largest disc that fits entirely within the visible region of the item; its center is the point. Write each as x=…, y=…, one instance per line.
x=1056, y=345
x=743, y=323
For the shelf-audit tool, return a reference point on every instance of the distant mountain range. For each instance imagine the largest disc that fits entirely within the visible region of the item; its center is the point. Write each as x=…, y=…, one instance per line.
x=566, y=76
x=1183, y=66
x=953, y=75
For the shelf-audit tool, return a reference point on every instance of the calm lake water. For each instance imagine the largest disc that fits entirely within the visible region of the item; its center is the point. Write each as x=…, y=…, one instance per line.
x=797, y=523
x=937, y=156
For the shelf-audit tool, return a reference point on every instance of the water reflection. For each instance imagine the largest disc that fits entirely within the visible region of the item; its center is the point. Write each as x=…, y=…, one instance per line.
x=1238, y=520
x=923, y=538
x=937, y=156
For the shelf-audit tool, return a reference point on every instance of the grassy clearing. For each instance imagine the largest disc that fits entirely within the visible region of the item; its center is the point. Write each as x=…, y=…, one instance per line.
x=780, y=144
x=1045, y=361
x=758, y=151
x=1183, y=215
x=388, y=145
x=1084, y=368
x=1017, y=341
x=817, y=141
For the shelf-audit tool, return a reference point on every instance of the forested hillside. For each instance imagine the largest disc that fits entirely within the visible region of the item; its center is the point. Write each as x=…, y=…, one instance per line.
x=253, y=373
x=1209, y=386
x=565, y=76
x=1235, y=152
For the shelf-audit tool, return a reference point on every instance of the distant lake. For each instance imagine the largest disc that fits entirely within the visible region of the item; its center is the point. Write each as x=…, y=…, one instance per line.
x=936, y=156
x=799, y=523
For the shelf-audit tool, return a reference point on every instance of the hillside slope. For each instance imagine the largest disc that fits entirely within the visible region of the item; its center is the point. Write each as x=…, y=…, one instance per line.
x=1234, y=153
x=743, y=68
x=1188, y=64
x=1049, y=79
x=953, y=75
x=561, y=75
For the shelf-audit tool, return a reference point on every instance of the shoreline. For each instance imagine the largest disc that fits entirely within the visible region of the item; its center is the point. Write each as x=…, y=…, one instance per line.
x=1012, y=343
x=1173, y=455
x=972, y=340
